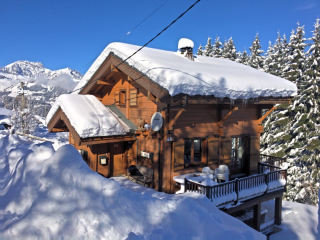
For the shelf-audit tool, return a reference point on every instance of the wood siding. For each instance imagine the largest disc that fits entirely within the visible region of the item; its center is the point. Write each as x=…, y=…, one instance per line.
x=138, y=107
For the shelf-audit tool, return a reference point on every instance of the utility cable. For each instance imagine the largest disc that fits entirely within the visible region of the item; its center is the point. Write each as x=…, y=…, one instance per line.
x=132, y=29
x=181, y=15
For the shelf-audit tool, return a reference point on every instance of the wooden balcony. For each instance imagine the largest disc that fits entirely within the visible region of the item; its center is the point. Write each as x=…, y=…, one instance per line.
x=270, y=178
x=232, y=196
x=242, y=189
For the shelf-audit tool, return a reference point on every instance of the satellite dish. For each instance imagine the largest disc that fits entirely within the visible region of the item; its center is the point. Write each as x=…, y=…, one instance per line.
x=156, y=121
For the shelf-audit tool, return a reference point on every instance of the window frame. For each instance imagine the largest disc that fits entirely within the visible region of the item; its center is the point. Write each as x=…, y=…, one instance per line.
x=122, y=92
x=235, y=167
x=131, y=103
x=192, y=152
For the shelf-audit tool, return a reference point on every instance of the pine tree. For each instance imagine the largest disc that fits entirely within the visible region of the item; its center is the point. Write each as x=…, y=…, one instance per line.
x=23, y=115
x=208, y=48
x=200, y=51
x=216, y=52
x=242, y=57
x=293, y=131
x=256, y=58
x=268, y=63
x=313, y=56
x=295, y=62
x=229, y=50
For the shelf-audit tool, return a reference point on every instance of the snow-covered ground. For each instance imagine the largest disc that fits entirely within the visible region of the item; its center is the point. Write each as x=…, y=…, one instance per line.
x=47, y=194
x=53, y=194
x=300, y=221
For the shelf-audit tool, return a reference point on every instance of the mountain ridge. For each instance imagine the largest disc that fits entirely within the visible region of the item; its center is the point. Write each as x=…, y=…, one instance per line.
x=23, y=68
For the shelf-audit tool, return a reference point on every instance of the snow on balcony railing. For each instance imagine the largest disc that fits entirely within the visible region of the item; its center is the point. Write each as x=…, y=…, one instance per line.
x=240, y=189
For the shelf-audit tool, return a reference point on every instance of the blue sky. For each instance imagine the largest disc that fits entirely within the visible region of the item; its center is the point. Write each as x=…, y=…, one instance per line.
x=70, y=33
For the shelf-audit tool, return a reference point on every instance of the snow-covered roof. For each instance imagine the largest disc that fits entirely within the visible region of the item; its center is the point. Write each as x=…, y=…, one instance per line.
x=88, y=116
x=203, y=76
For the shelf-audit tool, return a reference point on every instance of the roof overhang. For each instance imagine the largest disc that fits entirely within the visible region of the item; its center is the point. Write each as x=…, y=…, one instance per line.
x=105, y=73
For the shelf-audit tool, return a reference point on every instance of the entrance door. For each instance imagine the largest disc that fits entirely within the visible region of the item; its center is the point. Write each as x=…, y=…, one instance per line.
x=117, y=156
x=240, y=153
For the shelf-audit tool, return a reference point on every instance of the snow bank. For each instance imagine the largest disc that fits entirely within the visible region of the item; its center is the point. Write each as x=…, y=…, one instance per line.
x=88, y=116
x=60, y=197
x=204, y=76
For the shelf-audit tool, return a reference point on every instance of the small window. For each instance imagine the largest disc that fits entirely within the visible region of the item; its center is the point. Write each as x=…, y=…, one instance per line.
x=122, y=97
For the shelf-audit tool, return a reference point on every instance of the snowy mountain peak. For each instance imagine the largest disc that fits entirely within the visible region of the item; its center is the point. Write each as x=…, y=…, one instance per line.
x=35, y=69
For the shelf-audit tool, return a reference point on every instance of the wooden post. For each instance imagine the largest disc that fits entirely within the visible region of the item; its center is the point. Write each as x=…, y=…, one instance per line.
x=278, y=210
x=237, y=190
x=128, y=100
x=208, y=192
x=185, y=185
x=257, y=217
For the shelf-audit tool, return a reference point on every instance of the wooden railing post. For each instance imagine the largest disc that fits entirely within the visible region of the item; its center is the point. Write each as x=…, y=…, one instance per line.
x=207, y=192
x=185, y=184
x=237, y=190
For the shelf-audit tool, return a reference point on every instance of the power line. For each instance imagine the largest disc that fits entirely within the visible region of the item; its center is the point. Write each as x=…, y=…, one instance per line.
x=145, y=43
x=132, y=29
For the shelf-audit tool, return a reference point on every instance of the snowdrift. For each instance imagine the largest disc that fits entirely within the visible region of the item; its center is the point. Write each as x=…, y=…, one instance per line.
x=46, y=194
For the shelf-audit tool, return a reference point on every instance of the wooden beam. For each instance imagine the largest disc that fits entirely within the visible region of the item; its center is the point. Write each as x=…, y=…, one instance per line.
x=151, y=97
x=59, y=129
x=173, y=121
x=129, y=79
x=278, y=210
x=128, y=100
x=257, y=217
x=266, y=115
x=101, y=82
x=71, y=128
x=114, y=69
x=228, y=114
x=254, y=201
x=109, y=140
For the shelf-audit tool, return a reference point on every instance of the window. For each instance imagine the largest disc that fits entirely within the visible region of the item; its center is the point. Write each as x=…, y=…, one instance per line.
x=192, y=151
x=122, y=97
x=133, y=97
x=239, y=153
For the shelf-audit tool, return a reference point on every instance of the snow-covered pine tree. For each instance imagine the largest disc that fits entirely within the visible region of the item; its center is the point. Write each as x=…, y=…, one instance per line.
x=23, y=118
x=269, y=59
x=256, y=58
x=216, y=51
x=293, y=131
x=208, y=48
x=295, y=62
x=242, y=57
x=313, y=56
x=200, y=51
x=229, y=50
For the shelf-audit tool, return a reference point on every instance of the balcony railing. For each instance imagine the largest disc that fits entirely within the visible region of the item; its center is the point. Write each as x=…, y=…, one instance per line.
x=275, y=161
x=243, y=188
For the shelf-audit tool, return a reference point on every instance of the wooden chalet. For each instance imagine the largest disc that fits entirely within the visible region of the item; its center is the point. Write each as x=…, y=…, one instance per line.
x=210, y=126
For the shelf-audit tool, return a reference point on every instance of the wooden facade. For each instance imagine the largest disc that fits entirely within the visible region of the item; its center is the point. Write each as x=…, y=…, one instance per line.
x=206, y=131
